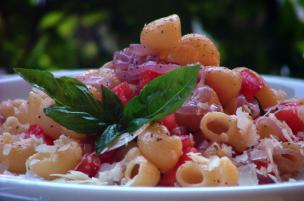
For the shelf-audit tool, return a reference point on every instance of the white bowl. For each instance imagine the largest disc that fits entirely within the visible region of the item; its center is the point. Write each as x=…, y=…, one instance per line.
x=26, y=190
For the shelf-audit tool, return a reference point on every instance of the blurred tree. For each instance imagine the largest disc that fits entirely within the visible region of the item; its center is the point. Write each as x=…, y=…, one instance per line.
x=52, y=34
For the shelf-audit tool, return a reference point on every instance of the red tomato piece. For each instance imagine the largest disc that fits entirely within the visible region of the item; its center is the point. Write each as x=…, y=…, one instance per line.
x=261, y=163
x=290, y=116
x=169, y=121
x=108, y=157
x=89, y=164
x=124, y=92
x=147, y=76
x=38, y=132
x=251, y=84
x=188, y=143
x=169, y=178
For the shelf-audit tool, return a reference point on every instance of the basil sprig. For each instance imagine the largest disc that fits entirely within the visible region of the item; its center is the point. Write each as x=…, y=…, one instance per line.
x=76, y=108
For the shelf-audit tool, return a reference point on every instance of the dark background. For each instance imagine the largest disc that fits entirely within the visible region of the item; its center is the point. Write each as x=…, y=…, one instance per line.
x=266, y=35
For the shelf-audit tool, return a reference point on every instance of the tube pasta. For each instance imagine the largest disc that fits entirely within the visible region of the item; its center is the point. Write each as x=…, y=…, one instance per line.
x=289, y=159
x=37, y=102
x=16, y=108
x=14, y=151
x=63, y=156
x=267, y=97
x=238, y=131
x=13, y=126
x=229, y=85
x=207, y=172
x=140, y=172
x=160, y=148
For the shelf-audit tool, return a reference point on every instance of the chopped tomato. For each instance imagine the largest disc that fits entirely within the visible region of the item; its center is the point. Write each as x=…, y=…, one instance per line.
x=168, y=178
x=251, y=84
x=108, y=157
x=289, y=114
x=261, y=163
x=89, y=164
x=188, y=142
x=124, y=92
x=169, y=121
x=38, y=132
x=146, y=77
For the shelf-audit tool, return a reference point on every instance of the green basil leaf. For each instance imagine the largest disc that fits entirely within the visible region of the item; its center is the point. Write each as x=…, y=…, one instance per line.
x=111, y=105
x=109, y=135
x=81, y=122
x=160, y=97
x=64, y=90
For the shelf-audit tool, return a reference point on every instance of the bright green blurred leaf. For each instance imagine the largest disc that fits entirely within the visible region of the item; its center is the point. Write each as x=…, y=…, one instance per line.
x=51, y=19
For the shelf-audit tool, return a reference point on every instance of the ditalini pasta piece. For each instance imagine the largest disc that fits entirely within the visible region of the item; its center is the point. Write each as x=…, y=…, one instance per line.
x=13, y=126
x=141, y=172
x=239, y=131
x=16, y=108
x=37, y=101
x=267, y=97
x=14, y=151
x=229, y=85
x=63, y=156
x=162, y=34
x=207, y=172
x=195, y=48
x=289, y=159
x=158, y=147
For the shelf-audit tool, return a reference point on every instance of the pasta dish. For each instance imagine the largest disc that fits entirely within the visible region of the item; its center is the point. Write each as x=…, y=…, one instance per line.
x=161, y=113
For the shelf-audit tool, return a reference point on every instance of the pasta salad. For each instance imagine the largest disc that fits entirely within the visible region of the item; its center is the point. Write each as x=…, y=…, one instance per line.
x=161, y=113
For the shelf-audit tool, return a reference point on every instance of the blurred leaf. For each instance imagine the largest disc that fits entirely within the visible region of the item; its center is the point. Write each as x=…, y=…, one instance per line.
x=67, y=27
x=90, y=49
x=37, y=51
x=51, y=19
x=93, y=18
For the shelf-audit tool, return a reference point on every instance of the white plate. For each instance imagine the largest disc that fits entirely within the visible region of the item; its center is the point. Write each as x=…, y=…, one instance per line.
x=26, y=190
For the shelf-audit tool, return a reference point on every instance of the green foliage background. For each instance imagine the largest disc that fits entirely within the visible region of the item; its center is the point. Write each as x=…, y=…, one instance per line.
x=52, y=34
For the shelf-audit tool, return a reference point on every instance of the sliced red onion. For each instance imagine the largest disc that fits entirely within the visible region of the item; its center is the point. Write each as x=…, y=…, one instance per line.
x=203, y=100
x=130, y=62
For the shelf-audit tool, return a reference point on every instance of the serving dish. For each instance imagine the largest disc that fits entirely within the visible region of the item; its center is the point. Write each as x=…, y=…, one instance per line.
x=20, y=189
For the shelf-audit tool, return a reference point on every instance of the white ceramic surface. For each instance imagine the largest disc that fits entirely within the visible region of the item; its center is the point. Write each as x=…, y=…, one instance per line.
x=12, y=189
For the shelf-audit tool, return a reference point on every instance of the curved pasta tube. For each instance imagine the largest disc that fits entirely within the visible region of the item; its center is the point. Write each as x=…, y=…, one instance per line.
x=267, y=97
x=216, y=126
x=37, y=102
x=14, y=151
x=212, y=172
x=162, y=34
x=289, y=159
x=229, y=85
x=17, y=108
x=160, y=148
x=63, y=156
x=190, y=174
x=13, y=126
x=140, y=172
x=195, y=48
x=237, y=131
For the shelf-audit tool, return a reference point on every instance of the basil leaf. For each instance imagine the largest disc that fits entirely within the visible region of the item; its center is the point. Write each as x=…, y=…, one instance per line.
x=162, y=96
x=64, y=90
x=109, y=135
x=81, y=122
x=111, y=106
